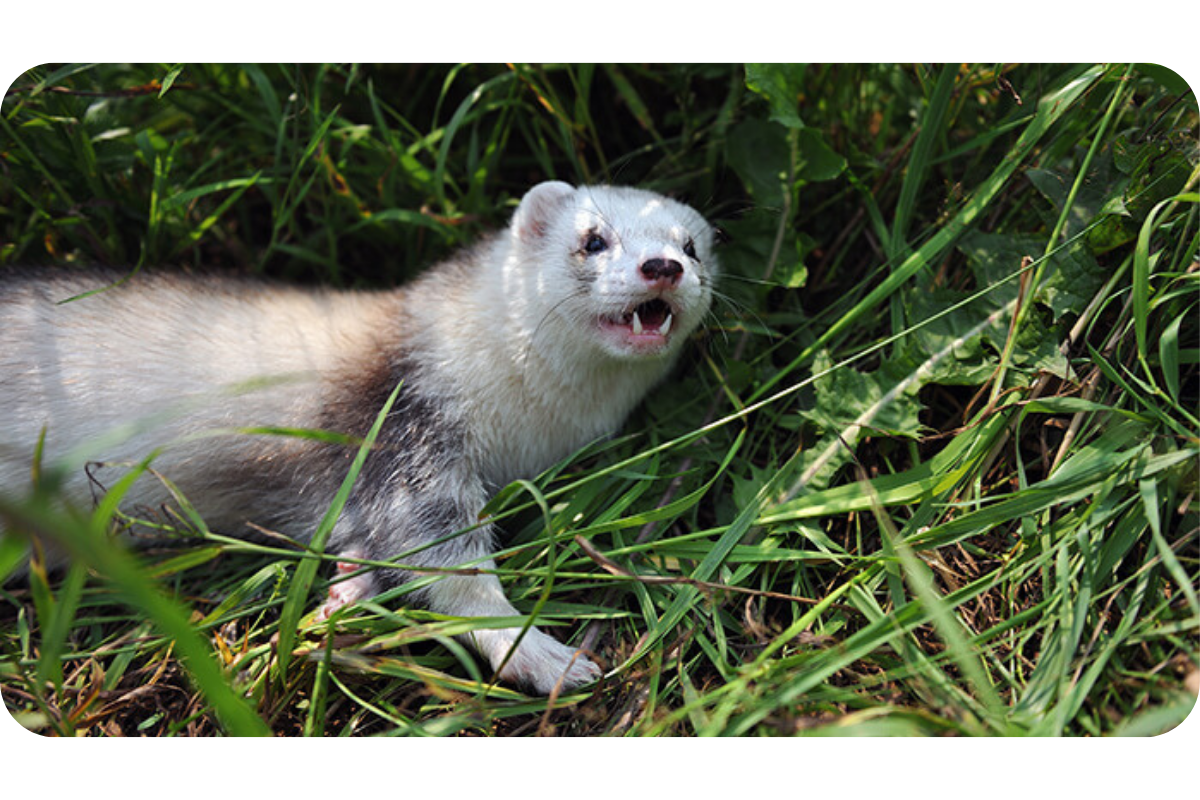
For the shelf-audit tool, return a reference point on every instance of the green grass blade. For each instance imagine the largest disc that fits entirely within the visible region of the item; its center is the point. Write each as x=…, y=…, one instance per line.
x=91, y=546
x=1142, y=267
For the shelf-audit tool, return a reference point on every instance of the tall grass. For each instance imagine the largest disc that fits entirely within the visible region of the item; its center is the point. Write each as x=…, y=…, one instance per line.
x=931, y=468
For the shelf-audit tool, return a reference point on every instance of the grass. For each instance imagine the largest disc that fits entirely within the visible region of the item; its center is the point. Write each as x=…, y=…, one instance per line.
x=930, y=469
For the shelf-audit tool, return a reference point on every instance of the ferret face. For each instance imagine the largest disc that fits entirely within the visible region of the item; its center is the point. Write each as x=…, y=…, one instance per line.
x=628, y=270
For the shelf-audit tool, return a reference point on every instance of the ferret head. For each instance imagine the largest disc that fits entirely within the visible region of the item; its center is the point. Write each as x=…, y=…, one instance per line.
x=627, y=270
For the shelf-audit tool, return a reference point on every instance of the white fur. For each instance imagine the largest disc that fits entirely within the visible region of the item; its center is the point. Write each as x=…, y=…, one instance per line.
x=509, y=340
x=562, y=385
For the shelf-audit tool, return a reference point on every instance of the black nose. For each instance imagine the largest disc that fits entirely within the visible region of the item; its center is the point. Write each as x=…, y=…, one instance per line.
x=662, y=270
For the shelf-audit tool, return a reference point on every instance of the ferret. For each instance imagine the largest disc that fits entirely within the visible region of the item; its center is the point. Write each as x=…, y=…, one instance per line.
x=510, y=356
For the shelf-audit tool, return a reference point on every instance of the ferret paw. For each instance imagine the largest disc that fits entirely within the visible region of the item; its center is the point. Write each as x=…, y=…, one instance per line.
x=346, y=592
x=541, y=662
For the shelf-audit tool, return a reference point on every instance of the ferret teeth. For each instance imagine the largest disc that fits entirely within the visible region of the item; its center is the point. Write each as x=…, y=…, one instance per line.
x=637, y=324
x=665, y=328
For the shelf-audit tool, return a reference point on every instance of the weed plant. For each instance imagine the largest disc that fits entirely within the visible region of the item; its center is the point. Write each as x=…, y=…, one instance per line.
x=930, y=468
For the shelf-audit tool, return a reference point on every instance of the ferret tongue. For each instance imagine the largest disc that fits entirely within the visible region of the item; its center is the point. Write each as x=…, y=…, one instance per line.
x=645, y=328
x=652, y=315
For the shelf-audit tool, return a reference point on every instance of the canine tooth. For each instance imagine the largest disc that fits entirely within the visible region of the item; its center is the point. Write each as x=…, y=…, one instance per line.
x=665, y=328
x=637, y=324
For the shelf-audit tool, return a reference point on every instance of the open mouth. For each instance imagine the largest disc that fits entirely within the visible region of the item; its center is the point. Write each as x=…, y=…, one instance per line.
x=645, y=326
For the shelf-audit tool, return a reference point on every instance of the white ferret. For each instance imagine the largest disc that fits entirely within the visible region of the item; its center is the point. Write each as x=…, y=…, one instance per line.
x=513, y=355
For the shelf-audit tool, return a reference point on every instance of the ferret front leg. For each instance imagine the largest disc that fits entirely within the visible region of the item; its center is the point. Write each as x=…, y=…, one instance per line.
x=539, y=661
x=348, y=591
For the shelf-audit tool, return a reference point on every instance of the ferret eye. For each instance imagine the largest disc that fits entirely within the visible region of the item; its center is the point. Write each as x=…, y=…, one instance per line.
x=689, y=249
x=595, y=243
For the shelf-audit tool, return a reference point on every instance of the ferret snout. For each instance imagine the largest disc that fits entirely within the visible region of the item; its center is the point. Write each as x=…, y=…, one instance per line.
x=661, y=273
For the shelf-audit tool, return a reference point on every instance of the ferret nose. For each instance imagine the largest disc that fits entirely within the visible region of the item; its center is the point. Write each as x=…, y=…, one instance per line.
x=662, y=272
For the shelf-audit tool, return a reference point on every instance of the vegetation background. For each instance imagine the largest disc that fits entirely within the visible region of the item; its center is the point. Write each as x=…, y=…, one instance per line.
x=929, y=469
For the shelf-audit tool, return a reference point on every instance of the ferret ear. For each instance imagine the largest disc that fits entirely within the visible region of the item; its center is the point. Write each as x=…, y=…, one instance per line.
x=538, y=207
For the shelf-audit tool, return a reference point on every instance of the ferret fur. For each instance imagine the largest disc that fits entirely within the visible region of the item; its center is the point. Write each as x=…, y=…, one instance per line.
x=513, y=355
